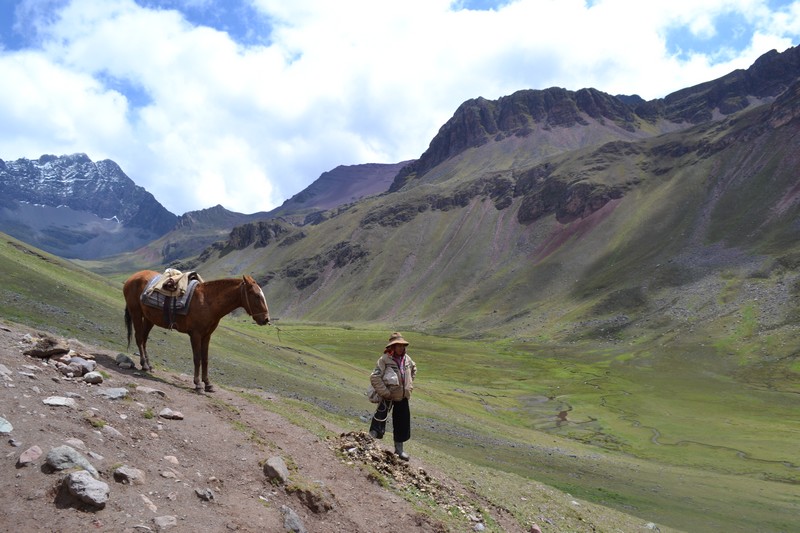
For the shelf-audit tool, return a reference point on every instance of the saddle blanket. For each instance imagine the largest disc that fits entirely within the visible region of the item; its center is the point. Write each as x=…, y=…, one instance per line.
x=178, y=300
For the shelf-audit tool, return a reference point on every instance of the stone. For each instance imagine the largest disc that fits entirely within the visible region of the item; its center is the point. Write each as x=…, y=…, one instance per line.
x=78, y=444
x=95, y=456
x=169, y=414
x=110, y=431
x=125, y=361
x=65, y=457
x=94, y=378
x=48, y=347
x=292, y=522
x=207, y=495
x=149, y=503
x=163, y=523
x=71, y=370
x=117, y=393
x=129, y=476
x=87, y=489
x=5, y=427
x=59, y=401
x=29, y=456
x=86, y=365
x=275, y=469
x=150, y=390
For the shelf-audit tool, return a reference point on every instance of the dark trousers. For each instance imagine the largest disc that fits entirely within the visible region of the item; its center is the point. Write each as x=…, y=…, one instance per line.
x=401, y=419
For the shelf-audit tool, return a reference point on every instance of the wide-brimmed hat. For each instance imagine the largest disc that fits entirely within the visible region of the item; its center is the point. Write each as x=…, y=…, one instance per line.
x=396, y=338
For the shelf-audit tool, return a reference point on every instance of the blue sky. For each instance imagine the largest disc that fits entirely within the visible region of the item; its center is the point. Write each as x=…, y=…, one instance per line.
x=249, y=101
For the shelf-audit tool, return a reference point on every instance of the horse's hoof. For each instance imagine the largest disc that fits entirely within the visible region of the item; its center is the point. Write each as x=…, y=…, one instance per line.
x=198, y=390
x=210, y=388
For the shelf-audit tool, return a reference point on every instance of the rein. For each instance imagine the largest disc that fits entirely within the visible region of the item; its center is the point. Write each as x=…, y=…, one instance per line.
x=388, y=410
x=247, y=302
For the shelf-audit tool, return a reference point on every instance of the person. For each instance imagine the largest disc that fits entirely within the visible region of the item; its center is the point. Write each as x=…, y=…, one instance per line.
x=393, y=380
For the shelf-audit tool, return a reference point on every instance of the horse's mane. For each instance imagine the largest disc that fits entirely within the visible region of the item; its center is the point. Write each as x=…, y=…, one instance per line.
x=223, y=281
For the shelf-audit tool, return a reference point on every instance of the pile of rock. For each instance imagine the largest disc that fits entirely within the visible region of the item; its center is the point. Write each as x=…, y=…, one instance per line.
x=71, y=362
x=360, y=446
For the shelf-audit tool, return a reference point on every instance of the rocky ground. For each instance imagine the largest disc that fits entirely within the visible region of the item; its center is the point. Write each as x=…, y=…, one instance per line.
x=167, y=458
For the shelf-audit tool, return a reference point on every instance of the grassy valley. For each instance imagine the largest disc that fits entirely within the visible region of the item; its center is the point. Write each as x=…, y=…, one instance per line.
x=685, y=430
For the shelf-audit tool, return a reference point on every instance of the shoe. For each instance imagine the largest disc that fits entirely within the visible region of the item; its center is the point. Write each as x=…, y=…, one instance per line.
x=398, y=449
x=373, y=434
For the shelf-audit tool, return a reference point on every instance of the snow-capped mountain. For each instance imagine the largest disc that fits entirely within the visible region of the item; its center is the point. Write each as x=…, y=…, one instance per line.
x=77, y=208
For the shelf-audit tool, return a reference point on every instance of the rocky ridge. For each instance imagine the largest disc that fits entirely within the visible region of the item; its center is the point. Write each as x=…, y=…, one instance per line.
x=74, y=207
x=75, y=181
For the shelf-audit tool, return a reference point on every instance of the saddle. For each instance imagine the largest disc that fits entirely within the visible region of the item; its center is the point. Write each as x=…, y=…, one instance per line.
x=172, y=292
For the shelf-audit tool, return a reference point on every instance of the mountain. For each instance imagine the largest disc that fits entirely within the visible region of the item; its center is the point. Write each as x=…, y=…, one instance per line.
x=76, y=208
x=554, y=199
x=343, y=185
x=79, y=209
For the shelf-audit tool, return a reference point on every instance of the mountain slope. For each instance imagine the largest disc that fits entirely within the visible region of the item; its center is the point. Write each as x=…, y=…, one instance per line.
x=486, y=231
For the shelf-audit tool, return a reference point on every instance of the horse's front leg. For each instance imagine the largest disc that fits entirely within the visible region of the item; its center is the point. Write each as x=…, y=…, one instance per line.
x=206, y=380
x=197, y=353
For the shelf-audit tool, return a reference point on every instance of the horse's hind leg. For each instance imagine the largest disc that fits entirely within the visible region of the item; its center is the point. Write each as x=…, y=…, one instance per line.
x=204, y=362
x=141, y=327
x=141, y=341
x=197, y=351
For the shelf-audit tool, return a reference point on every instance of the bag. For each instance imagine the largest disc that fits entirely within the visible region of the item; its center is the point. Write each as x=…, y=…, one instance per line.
x=390, y=377
x=373, y=395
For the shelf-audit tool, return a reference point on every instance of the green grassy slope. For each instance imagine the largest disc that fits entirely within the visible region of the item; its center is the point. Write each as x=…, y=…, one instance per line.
x=675, y=429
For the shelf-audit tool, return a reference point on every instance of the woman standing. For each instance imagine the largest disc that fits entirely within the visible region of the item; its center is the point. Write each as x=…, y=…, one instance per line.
x=393, y=380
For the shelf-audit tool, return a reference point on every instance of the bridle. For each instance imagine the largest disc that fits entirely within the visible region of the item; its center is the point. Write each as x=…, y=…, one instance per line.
x=246, y=299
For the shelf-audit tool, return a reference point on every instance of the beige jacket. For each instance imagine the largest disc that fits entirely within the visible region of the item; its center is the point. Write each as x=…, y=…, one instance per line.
x=386, y=380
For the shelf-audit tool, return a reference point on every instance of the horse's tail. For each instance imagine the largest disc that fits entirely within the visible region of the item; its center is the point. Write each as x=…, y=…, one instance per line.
x=128, y=324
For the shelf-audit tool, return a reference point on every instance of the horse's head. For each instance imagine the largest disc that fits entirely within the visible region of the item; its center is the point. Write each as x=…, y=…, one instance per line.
x=254, y=301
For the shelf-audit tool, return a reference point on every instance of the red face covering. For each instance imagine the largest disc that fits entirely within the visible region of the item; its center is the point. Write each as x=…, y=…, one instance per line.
x=399, y=359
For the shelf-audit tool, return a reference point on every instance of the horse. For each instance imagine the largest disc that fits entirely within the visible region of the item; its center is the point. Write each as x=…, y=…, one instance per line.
x=211, y=301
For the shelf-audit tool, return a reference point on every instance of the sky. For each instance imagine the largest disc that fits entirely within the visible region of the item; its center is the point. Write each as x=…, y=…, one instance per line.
x=244, y=103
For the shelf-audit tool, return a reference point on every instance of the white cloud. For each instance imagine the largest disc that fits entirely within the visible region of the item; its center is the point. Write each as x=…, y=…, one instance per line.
x=44, y=106
x=212, y=120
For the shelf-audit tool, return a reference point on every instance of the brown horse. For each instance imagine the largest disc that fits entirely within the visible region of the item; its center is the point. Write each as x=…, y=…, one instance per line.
x=211, y=301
